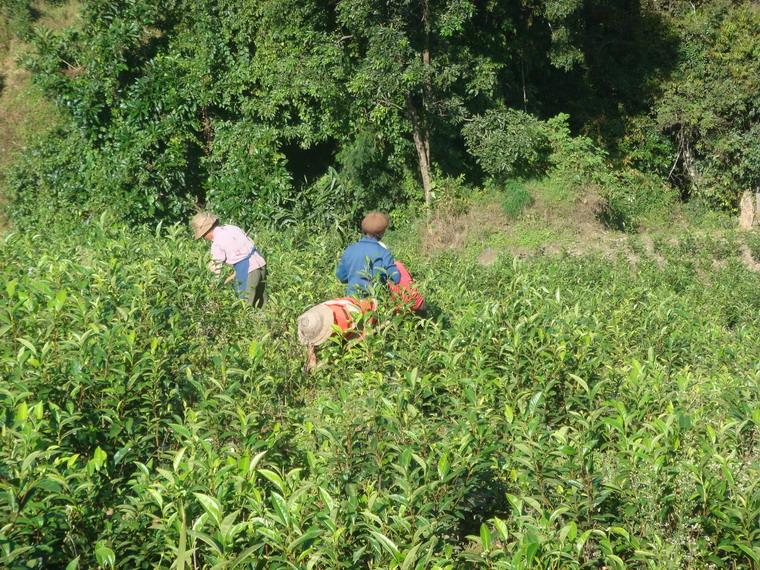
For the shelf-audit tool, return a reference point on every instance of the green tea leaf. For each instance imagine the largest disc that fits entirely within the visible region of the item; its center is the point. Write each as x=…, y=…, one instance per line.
x=104, y=555
x=211, y=506
x=485, y=537
x=443, y=466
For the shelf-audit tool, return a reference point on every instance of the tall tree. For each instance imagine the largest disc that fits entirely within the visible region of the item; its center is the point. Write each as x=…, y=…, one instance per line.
x=422, y=65
x=710, y=106
x=205, y=100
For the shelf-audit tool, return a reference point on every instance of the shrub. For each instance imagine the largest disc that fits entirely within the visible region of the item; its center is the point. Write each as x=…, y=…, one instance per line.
x=631, y=196
x=515, y=198
x=707, y=104
x=62, y=171
x=50, y=176
x=576, y=159
x=453, y=195
x=247, y=177
x=508, y=143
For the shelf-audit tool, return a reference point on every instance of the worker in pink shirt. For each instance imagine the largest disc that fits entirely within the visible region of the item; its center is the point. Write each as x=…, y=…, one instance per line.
x=231, y=246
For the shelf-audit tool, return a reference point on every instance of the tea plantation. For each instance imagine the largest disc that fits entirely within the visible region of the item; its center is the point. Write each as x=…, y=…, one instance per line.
x=557, y=412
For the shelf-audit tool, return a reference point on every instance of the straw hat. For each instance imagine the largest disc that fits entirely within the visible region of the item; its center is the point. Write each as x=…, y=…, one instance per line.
x=375, y=223
x=315, y=325
x=202, y=222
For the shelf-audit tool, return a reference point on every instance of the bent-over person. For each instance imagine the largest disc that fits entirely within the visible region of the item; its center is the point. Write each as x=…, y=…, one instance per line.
x=338, y=316
x=231, y=246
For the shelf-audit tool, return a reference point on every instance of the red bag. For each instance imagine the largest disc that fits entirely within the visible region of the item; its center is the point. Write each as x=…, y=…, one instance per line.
x=404, y=293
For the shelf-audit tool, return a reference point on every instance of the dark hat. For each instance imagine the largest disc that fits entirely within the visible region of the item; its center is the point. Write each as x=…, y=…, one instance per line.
x=375, y=223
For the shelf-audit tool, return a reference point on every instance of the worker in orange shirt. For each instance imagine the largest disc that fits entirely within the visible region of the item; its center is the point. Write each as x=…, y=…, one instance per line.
x=337, y=316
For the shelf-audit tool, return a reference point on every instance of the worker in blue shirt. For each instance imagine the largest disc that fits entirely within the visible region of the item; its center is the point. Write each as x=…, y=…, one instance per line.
x=368, y=258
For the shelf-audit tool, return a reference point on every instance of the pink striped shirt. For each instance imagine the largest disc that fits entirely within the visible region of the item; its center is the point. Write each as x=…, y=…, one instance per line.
x=230, y=245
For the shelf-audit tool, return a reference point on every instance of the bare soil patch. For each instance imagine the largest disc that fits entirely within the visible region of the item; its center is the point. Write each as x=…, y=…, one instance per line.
x=453, y=231
x=488, y=257
x=748, y=260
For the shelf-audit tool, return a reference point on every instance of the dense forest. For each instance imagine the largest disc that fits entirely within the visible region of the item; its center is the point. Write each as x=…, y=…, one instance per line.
x=277, y=111
x=562, y=179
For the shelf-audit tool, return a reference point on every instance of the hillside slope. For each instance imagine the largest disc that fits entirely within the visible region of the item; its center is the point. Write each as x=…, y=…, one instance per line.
x=24, y=111
x=555, y=221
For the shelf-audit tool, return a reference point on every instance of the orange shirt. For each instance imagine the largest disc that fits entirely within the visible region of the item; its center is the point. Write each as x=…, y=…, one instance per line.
x=343, y=309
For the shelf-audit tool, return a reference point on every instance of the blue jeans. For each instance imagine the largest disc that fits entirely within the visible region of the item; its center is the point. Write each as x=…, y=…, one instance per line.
x=251, y=285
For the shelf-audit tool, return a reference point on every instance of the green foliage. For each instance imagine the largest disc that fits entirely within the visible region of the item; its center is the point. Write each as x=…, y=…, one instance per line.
x=513, y=143
x=52, y=168
x=17, y=16
x=454, y=195
x=163, y=98
x=753, y=242
x=631, y=196
x=244, y=168
x=247, y=108
x=646, y=148
x=566, y=413
x=508, y=144
x=575, y=158
x=515, y=198
x=221, y=104
x=708, y=107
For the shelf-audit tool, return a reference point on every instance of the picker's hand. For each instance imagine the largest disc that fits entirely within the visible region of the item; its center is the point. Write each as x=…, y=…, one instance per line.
x=229, y=278
x=215, y=267
x=311, y=360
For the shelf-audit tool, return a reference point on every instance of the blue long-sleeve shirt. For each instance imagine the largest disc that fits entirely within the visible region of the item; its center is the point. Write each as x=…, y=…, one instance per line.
x=363, y=261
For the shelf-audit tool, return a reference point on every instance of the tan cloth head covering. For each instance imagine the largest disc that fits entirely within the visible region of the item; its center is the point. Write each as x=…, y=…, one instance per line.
x=202, y=222
x=375, y=223
x=315, y=325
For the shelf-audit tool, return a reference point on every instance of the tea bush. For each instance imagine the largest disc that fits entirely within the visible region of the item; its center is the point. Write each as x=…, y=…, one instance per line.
x=560, y=413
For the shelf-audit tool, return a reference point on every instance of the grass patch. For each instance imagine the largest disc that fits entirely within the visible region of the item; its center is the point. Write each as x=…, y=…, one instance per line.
x=57, y=15
x=695, y=213
x=515, y=197
x=531, y=236
x=552, y=190
x=526, y=236
x=753, y=243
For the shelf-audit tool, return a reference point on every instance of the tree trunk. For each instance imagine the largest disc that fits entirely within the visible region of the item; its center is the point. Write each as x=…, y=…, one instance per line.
x=427, y=96
x=422, y=145
x=689, y=163
x=746, y=211
x=420, y=131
